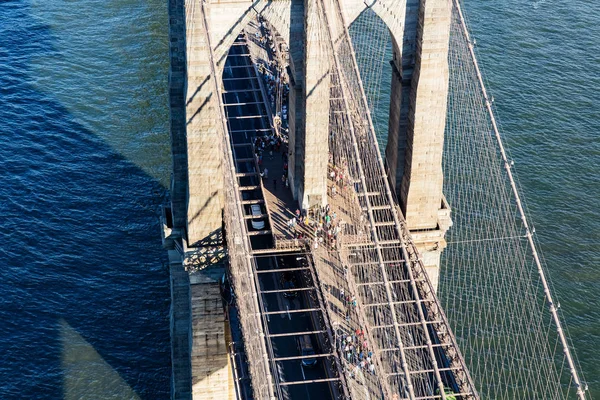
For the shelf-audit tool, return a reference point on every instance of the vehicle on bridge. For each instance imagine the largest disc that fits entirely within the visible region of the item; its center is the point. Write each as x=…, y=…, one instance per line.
x=257, y=222
x=289, y=282
x=306, y=349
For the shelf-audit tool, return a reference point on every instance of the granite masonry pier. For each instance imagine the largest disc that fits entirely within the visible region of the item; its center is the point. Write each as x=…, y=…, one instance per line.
x=201, y=34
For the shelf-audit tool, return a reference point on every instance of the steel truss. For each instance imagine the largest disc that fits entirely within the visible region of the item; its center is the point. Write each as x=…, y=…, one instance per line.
x=420, y=294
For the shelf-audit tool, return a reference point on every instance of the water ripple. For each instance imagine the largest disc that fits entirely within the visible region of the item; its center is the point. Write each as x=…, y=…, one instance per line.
x=84, y=284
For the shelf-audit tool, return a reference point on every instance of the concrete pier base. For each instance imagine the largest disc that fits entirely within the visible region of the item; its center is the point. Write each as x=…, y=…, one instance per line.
x=212, y=374
x=200, y=335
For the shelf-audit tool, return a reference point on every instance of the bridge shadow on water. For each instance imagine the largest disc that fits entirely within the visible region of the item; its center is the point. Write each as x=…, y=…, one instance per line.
x=84, y=283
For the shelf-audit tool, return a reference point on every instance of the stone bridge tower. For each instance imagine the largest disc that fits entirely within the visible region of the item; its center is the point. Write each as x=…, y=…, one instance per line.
x=201, y=33
x=420, y=34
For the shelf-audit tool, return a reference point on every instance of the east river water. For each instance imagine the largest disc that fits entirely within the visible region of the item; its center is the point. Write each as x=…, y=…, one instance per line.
x=84, y=162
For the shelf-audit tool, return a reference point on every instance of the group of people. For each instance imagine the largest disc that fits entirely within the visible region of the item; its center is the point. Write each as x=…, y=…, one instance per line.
x=272, y=85
x=349, y=302
x=268, y=145
x=275, y=81
x=339, y=177
x=264, y=35
x=321, y=222
x=356, y=351
x=326, y=227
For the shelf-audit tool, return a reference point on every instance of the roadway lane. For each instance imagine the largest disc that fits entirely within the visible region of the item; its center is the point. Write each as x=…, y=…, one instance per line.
x=291, y=322
x=247, y=118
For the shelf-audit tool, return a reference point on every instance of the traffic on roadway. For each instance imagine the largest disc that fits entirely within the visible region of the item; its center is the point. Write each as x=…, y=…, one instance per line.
x=297, y=340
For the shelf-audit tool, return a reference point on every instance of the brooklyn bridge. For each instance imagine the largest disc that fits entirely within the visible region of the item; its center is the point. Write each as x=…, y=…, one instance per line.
x=345, y=221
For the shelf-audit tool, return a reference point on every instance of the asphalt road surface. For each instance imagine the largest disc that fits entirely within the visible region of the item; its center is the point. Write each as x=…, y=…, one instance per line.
x=247, y=119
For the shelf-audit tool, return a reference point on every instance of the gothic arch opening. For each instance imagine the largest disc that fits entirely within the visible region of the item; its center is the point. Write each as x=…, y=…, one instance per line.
x=372, y=43
x=255, y=88
x=268, y=52
x=276, y=17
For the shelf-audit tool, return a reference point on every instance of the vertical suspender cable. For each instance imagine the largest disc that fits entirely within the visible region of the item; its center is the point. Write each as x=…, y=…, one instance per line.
x=553, y=309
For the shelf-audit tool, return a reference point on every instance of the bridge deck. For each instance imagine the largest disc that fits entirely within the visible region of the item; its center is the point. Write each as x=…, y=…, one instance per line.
x=290, y=304
x=370, y=306
x=330, y=241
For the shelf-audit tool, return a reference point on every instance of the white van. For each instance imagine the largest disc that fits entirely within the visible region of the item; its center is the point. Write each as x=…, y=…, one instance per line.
x=257, y=222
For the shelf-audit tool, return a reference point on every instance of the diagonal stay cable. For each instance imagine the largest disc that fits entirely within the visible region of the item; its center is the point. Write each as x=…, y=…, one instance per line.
x=517, y=198
x=399, y=343
x=402, y=232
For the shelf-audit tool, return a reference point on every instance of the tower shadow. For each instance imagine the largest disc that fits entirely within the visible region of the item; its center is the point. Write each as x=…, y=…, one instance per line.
x=84, y=283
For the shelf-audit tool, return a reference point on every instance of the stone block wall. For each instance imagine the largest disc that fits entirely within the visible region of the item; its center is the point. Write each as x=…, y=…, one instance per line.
x=212, y=374
x=421, y=189
x=177, y=79
x=204, y=141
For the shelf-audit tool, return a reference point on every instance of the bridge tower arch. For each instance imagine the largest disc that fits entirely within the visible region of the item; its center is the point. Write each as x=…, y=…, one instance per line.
x=420, y=32
x=197, y=184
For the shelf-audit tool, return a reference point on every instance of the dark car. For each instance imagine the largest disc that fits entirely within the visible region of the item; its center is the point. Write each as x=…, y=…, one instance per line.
x=288, y=282
x=306, y=349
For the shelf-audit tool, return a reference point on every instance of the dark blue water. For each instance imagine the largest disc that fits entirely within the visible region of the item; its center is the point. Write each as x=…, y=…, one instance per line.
x=83, y=285
x=85, y=161
x=542, y=63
